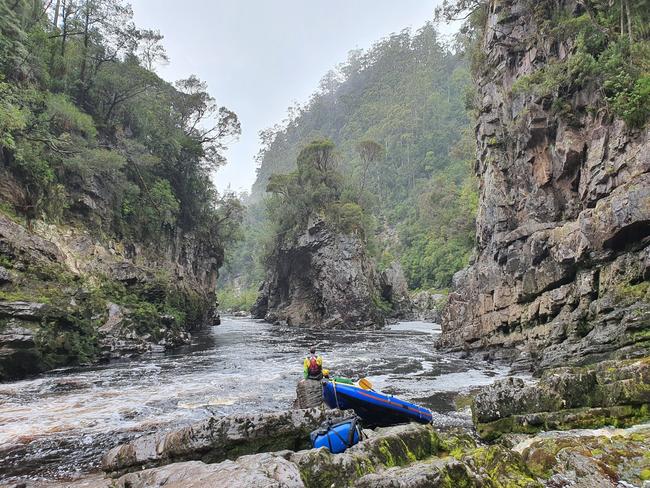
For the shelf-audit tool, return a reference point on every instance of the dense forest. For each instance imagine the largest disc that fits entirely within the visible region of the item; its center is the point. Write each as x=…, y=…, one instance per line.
x=80, y=97
x=95, y=146
x=398, y=117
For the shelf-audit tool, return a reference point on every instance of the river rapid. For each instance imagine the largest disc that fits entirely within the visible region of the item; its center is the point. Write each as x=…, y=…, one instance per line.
x=58, y=425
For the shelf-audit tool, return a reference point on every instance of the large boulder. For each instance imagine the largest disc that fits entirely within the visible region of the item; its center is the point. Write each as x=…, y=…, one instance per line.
x=322, y=278
x=609, y=393
x=218, y=438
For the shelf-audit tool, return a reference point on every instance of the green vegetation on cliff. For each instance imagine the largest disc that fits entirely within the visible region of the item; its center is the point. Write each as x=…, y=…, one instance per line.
x=81, y=111
x=315, y=188
x=95, y=143
x=397, y=116
x=609, y=55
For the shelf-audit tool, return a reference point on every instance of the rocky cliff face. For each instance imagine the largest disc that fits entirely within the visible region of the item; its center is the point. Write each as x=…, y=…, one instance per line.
x=563, y=230
x=69, y=294
x=322, y=279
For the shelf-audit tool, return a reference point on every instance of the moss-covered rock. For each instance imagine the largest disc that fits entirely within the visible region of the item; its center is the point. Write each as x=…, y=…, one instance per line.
x=591, y=458
x=394, y=446
x=70, y=280
x=417, y=456
x=613, y=393
x=577, y=418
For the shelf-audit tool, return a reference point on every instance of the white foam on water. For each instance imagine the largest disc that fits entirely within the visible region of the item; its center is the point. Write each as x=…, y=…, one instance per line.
x=240, y=366
x=416, y=326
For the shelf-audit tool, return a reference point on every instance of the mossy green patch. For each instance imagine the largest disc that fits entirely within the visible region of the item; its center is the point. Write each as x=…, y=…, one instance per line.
x=577, y=418
x=619, y=457
x=504, y=468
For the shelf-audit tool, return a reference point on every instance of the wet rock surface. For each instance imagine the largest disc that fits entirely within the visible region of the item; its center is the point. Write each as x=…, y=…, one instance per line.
x=322, y=279
x=54, y=282
x=609, y=393
x=414, y=456
x=563, y=262
x=309, y=394
x=218, y=438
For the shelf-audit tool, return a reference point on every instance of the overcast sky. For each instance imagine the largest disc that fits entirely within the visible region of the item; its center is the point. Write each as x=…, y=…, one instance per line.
x=259, y=56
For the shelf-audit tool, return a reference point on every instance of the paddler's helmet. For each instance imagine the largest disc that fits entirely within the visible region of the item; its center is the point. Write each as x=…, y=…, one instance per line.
x=312, y=349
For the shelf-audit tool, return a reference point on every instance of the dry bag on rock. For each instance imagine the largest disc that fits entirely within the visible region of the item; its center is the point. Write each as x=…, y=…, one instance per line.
x=337, y=437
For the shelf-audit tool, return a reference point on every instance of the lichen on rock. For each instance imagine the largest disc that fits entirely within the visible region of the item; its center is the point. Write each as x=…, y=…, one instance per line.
x=609, y=393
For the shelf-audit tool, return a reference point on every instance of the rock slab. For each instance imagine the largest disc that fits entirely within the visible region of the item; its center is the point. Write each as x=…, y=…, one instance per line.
x=218, y=438
x=610, y=393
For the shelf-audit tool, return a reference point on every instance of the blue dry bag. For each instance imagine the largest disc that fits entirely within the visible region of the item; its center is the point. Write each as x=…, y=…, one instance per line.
x=337, y=437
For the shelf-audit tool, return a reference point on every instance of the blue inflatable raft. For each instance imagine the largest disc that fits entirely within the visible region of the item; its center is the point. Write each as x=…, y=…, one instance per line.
x=374, y=408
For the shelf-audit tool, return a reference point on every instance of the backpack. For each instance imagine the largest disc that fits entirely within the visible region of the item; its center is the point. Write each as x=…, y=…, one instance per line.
x=314, y=368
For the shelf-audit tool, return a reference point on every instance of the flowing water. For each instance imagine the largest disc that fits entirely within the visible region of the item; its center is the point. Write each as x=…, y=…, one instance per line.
x=59, y=424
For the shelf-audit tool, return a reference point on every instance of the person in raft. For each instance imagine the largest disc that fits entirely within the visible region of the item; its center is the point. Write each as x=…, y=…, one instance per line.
x=313, y=366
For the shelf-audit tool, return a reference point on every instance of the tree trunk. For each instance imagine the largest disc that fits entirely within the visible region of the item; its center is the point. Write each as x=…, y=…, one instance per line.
x=65, y=28
x=56, y=13
x=629, y=20
x=622, y=19
x=82, y=73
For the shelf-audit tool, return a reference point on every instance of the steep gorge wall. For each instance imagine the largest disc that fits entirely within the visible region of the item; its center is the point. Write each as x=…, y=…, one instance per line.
x=71, y=293
x=563, y=228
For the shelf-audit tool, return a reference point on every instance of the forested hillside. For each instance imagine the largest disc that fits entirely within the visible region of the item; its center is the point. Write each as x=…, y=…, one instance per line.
x=80, y=98
x=398, y=116
x=108, y=215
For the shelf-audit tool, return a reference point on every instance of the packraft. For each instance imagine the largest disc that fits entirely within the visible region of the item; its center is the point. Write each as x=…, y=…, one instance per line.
x=374, y=408
x=337, y=437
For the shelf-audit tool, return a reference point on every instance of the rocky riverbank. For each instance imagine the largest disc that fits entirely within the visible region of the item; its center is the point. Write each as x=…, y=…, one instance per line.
x=68, y=297
x=579, y=427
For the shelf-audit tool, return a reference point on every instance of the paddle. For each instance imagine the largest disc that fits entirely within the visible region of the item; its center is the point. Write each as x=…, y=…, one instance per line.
x=365, y=384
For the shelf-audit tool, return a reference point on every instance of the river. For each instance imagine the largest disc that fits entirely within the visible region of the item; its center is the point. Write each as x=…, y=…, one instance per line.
x=57, y=426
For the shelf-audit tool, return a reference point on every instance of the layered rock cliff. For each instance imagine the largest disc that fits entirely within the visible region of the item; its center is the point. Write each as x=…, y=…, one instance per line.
x=563, y=230
x=324, y=278
x=70, y=294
